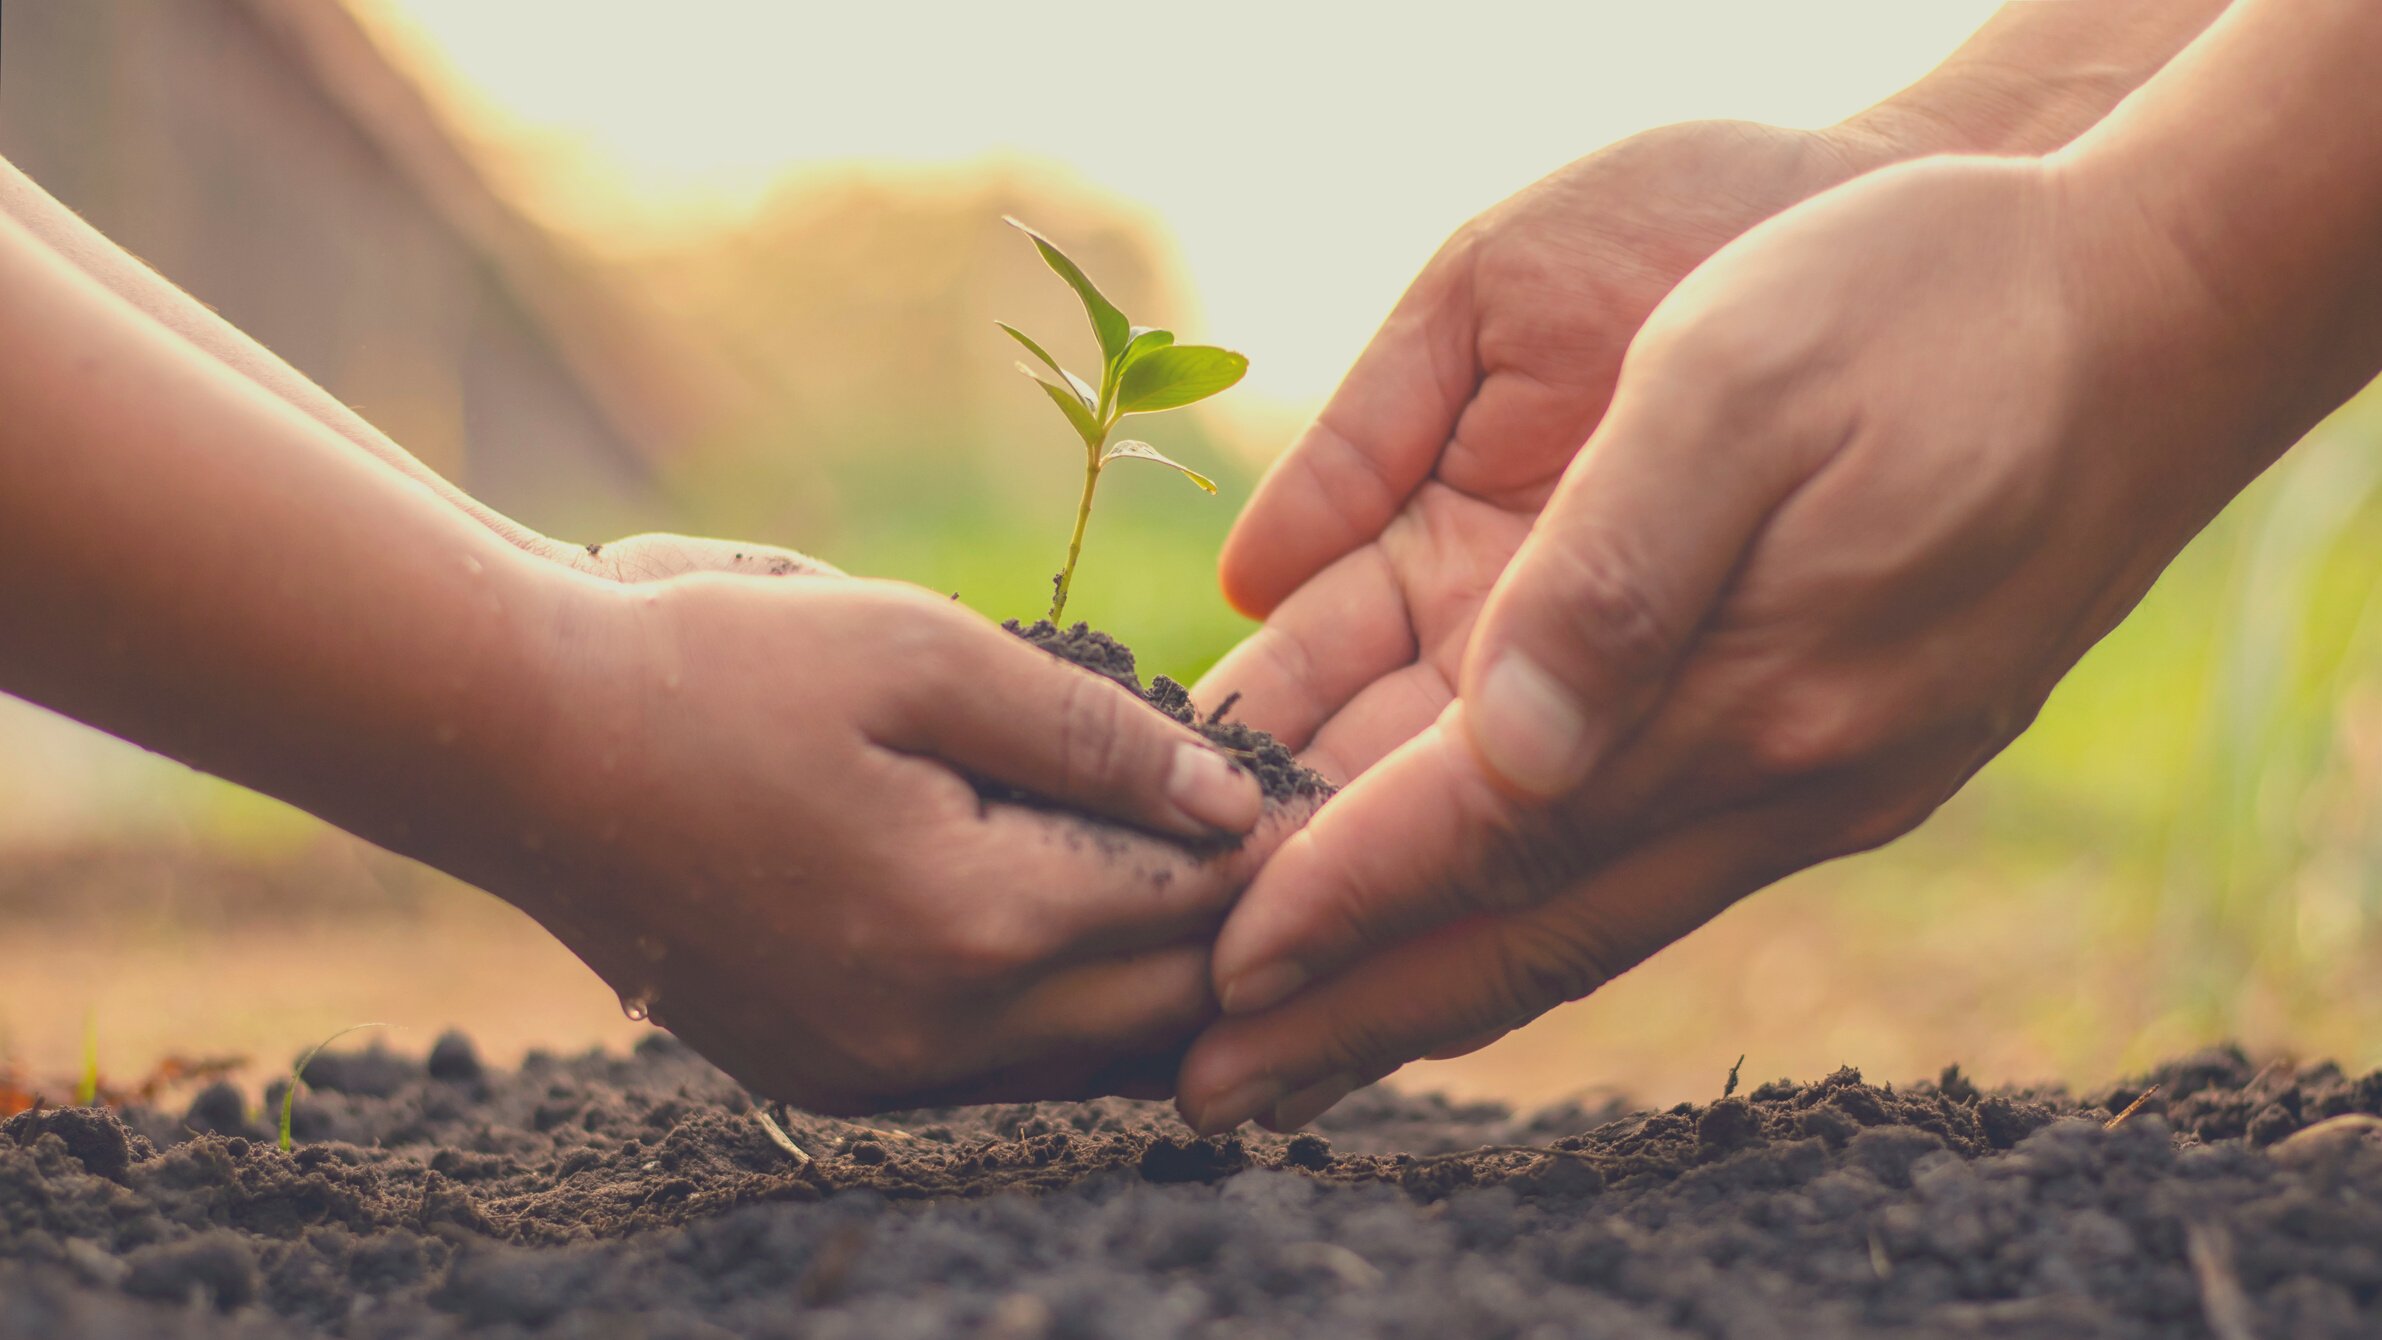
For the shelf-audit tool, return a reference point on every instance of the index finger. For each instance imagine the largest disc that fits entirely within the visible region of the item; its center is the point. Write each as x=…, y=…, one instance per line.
x=1407, y=845
x=1480, y=975
x=1375, y=441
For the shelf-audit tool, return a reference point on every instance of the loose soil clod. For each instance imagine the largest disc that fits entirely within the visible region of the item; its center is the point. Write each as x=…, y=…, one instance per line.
x=638, y=1195
x=1284, y=779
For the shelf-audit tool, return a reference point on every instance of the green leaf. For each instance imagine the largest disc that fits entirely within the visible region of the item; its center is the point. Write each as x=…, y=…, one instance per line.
x=1176, y=375
x=1082, y=388
x=1146, y=340
x=1071, y=403
x=1108, y=324
x=1143, y=451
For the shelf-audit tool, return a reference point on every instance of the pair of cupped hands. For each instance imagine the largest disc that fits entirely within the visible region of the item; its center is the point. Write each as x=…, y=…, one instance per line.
x=1713, y=508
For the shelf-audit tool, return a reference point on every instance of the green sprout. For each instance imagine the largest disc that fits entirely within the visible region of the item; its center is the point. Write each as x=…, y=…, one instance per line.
x=1142, y=371
x=86, y=1089
x=289, y=1096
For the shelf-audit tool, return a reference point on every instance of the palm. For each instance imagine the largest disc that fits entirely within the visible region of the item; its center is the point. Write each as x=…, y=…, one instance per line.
x=1371, y=545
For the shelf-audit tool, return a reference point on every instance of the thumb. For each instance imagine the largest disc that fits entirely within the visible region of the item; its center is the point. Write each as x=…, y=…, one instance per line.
x=1582, y=631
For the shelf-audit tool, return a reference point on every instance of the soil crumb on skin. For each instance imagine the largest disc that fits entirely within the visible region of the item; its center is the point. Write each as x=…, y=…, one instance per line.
x=1277, y=770
x=605, y=1195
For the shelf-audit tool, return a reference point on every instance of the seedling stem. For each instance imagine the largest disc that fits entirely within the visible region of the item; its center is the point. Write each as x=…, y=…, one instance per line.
x=1142, y=371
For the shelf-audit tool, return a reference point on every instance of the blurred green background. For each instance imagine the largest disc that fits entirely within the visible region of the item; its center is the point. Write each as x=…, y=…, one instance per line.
x=2182, y=849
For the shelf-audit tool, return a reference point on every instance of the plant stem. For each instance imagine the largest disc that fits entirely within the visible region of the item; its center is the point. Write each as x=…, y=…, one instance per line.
x=1083, y=517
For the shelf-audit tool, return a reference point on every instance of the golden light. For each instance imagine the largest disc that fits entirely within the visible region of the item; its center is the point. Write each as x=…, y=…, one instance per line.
x=1305, y=158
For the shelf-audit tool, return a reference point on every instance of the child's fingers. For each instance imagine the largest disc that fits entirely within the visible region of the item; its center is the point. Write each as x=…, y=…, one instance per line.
x=1008, y=712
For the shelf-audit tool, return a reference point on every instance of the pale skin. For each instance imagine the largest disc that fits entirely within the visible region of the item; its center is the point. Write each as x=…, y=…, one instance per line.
x=1639, y=635
x=743, y=800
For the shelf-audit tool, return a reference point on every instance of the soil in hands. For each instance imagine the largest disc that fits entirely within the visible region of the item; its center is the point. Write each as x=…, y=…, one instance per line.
x=642, y=1195
x=1285, y=780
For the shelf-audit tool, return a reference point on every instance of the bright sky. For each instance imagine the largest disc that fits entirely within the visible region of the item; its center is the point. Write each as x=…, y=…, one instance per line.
x=1306, y=156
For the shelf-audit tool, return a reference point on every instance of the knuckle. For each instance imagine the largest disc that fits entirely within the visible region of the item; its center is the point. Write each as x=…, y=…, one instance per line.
x=1527, y=859
x=1358, y=1044
x=1733, y=349
x=1814, y=728
x=1607, y=610
x=1336, y=463
x=929, y=649
x=976, y=949
x=1096, y=748
x=1530, y=973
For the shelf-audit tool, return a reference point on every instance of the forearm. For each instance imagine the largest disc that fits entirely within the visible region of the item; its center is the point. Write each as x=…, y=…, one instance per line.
x=2254, y=167
x=2038, y=74
x=2242, y=196
x=117, y=270
x=188, y=562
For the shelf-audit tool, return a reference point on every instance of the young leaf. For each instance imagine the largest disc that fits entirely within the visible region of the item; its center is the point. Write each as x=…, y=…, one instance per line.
x=1177, y=375
x=1071, y=403
x=1143, y=451
x=1108, y=324
x=1047, y=361
x=1146, y=339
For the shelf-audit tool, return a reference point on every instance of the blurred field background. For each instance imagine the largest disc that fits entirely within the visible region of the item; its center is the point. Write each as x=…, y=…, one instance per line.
x=732, y=268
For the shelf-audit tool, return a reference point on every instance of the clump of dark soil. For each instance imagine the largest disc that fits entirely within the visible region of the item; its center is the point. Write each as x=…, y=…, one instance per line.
x=1277, y=770
x=642, y=1195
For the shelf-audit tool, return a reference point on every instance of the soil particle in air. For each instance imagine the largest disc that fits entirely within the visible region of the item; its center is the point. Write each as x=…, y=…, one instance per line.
x=605, y=1195
x=1278, y=771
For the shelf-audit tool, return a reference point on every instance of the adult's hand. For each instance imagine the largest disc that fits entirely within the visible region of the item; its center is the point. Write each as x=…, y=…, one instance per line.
x=1873, y=479
x=1372, y=542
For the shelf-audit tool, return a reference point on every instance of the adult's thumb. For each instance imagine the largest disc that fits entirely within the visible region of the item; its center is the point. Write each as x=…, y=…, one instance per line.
x=1592, y=618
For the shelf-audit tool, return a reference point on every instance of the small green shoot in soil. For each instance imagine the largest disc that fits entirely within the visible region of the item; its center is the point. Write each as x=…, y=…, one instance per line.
x=289, y=1096
x=1142, y=371
x=86, y=1089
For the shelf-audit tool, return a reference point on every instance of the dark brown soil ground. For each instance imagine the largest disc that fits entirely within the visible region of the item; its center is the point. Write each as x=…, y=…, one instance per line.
x=641, y=1196
x=1277, y=770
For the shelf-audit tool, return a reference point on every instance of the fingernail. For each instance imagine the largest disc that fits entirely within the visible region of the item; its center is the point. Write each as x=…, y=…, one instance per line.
x=1312, y=1102
x=1238, y=1105
x=1529, y=728
x=1262, y=988
x=1211, y=792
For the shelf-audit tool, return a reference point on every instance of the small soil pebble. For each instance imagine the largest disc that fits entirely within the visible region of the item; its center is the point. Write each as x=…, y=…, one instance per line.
x=643, y=1196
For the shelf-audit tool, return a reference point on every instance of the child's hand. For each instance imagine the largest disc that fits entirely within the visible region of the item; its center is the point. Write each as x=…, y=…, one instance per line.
x=751, y=814
x=657, y=555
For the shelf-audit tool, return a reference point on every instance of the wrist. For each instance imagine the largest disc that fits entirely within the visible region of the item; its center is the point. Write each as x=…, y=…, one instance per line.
x=463, y=777
x=1978, y=110
x=2033, y=78
x=2241, y=206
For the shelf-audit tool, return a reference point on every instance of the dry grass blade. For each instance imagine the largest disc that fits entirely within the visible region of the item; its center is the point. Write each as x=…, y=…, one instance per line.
x=297, y=1076
x=2131, y=1108
x=2227, y=1309
x=778, y=1137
